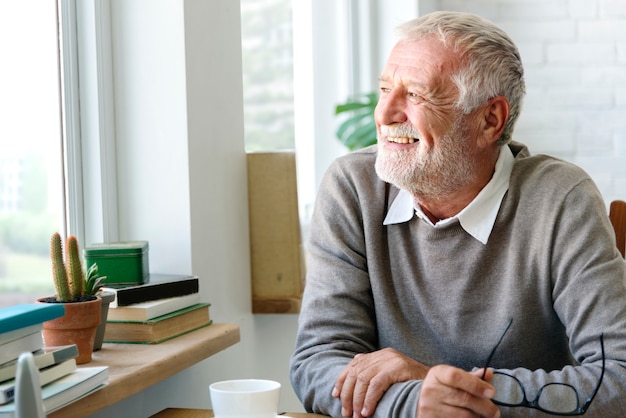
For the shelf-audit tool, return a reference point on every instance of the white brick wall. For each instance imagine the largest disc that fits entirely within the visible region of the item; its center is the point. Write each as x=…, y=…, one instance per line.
x=574, y=52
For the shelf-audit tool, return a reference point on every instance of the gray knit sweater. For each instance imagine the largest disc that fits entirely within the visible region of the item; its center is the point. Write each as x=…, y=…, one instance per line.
x=442, y=297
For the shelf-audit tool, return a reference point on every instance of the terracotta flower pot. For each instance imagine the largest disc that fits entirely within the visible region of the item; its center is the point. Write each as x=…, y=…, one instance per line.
x=78, y=326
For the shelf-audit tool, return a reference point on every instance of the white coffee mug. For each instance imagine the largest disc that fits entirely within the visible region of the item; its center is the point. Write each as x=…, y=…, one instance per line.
x=245, y=398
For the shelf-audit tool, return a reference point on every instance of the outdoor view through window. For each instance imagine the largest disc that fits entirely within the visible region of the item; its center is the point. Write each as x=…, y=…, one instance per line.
x=267, y=61
x=31, y=193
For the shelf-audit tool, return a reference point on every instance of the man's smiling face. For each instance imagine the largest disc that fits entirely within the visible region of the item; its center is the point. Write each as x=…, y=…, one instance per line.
x=423, y=140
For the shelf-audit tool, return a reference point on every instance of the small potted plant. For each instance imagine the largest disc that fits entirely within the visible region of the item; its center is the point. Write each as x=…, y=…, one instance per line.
x=78, y=294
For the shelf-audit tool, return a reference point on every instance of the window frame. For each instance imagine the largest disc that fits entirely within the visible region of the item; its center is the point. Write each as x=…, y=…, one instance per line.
x=88, y=120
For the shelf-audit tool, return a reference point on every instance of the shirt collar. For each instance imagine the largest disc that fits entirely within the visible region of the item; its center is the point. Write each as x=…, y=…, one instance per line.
x=477, y=218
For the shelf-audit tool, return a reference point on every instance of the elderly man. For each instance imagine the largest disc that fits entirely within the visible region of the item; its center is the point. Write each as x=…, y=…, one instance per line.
x=451, y=273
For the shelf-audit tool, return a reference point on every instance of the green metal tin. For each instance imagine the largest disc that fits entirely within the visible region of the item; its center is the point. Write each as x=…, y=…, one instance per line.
x=123, y=263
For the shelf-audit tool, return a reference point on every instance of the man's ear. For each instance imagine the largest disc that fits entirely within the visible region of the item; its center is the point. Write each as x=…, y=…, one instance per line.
x=494, y=118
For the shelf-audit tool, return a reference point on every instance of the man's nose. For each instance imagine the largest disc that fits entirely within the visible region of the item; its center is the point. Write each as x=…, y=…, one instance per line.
x=391, y=108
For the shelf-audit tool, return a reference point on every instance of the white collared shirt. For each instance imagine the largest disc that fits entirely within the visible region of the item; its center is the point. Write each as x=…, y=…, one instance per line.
x=478, y=217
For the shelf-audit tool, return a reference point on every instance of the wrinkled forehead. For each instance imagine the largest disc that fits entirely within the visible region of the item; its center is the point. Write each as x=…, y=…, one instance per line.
x=426, y=62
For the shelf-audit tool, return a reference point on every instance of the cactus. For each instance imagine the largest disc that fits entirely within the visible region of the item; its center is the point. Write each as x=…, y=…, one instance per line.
x=69, y=277
x=58, y=269
x=74, y=268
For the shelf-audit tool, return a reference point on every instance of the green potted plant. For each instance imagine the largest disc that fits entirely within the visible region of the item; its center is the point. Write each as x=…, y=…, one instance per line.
x=358, y=130
x=78, y=292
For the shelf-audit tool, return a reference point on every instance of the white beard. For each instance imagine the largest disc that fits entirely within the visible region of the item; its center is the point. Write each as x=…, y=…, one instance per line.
x=429, y=173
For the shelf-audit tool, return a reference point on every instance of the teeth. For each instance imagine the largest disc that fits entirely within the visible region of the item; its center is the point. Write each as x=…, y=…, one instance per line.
x=401, y=139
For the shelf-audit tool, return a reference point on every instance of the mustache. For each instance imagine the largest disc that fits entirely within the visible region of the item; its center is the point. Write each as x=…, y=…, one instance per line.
x=399, y=130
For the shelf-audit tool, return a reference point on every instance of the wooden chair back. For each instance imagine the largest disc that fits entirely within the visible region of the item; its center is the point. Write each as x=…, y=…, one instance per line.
x=617, y=214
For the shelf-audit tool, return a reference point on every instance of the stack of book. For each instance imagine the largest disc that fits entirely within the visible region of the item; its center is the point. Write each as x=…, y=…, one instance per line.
x=61, y=381
x=163, y=308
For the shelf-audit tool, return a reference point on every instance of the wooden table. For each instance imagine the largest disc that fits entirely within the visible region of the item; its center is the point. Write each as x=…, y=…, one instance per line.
x=207, y=413
x=135, y=367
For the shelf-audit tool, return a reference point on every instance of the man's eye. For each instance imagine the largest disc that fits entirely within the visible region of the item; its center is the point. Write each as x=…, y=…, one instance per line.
x=385, y=89
x=416, y=98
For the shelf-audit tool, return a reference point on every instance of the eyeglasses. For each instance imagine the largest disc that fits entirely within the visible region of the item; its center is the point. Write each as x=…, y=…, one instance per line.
x=553, y=398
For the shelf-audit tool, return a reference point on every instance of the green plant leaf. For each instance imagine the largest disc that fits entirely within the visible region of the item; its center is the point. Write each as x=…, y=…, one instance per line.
x=362, y=137
x=347, y=107
x=351, y=124
x=93, y=283
x=359, y=129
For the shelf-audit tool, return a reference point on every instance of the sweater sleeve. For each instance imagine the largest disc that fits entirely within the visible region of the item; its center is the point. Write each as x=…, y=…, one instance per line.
x=337, y=319
x=588, y=295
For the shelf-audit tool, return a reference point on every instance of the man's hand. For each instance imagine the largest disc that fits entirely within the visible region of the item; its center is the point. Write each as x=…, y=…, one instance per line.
x=366, y=378
x=451, y=392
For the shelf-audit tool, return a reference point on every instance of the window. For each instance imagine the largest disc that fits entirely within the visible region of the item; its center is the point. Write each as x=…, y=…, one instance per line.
x=31, y=169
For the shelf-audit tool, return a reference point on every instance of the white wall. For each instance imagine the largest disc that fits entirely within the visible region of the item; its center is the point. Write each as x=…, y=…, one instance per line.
x=151, y=129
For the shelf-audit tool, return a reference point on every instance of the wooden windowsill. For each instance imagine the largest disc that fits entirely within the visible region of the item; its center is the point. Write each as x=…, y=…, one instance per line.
x=135, y=367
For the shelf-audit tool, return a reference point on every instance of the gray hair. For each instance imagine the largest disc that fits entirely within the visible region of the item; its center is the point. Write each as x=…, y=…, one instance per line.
x=490, y=62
